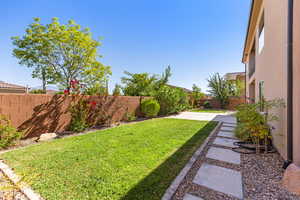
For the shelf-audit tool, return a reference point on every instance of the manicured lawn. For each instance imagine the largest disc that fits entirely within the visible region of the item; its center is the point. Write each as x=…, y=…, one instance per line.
x=135, y=161
x=208, y=110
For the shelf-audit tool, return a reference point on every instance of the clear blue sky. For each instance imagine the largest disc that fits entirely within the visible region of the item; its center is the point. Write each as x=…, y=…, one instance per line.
x=196, y=37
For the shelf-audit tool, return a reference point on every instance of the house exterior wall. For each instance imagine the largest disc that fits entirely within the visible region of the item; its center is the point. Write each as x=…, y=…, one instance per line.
x=296, y=78
x=271, y=64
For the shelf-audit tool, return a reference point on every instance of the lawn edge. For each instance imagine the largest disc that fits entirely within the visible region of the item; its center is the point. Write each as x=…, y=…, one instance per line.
x=176, y=182
x=15, y=179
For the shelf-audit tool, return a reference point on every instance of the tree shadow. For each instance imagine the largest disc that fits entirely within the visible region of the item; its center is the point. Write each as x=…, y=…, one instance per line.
x=47, y=117
x=156, y=183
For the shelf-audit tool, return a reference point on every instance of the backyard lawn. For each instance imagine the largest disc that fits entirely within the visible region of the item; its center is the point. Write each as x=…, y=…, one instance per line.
x=208, y=110
x=134, y=161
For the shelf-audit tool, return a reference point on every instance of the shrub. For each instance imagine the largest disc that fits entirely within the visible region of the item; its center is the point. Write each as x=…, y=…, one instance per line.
x=79, y=114
x=150, y=107
x=130, y=117
x=171, y=100
x=37, y=91
x=8, y=134
x=254, y=125
x=207, y=105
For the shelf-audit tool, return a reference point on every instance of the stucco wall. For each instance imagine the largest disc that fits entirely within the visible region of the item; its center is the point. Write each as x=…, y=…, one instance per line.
x=296, y=109
x=271, y=64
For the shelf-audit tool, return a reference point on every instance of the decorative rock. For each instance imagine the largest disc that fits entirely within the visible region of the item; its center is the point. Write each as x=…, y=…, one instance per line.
x=291, y=179
x=47, y=136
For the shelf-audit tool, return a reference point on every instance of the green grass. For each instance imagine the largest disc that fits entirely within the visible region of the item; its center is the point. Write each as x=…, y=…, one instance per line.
x=135, y=161
x=208, y=110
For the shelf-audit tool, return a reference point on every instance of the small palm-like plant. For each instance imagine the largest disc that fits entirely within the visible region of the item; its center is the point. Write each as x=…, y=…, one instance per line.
x=219, y=88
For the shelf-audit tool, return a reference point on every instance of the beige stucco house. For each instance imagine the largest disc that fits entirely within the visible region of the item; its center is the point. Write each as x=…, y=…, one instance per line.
x=272, y=59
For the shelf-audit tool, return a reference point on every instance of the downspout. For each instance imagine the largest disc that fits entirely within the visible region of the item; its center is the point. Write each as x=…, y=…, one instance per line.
x=290, y=85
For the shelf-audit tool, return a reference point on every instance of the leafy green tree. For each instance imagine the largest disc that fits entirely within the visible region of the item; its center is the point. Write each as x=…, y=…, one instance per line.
x=196, y=94
x=219, y=88
x=61, y=53
x=141, y=84
x=117, y=90
x=171, y=100
x=144, y=84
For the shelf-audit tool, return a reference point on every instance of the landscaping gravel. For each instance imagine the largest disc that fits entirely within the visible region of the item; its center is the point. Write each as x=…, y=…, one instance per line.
x=7, y=192
x=261, y=174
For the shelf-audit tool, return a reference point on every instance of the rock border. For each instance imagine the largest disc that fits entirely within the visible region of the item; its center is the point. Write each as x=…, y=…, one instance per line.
x=175, y=184
x=25, y=189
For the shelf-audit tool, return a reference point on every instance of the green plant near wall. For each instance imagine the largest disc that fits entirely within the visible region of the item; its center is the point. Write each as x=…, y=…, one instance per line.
x=8, y=134
x=254, y=125
x=130, y=117
x=171, y=100
x=150, y=107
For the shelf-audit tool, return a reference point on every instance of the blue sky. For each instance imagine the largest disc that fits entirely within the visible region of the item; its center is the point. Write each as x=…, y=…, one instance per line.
x=195, y=37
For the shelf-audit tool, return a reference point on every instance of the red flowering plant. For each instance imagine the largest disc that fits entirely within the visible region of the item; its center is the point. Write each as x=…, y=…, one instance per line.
x=79, y=108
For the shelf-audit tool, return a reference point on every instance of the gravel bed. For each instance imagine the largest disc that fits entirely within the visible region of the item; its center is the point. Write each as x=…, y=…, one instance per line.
x=262, y=175
x=7, y=191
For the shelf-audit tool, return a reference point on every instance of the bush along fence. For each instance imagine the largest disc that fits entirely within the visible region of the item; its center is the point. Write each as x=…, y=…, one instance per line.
x=37, y=114
x=233, y=103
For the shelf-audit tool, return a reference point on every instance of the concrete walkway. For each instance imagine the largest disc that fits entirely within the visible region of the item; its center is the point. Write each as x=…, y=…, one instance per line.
x=215, y=176
x=223, y=117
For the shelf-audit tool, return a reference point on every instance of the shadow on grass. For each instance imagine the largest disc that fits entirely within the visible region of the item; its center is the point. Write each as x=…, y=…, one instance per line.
x=156, y=183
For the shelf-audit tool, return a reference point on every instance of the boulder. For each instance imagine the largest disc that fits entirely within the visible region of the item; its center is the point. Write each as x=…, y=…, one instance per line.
x=47, y=136
x=291, y=179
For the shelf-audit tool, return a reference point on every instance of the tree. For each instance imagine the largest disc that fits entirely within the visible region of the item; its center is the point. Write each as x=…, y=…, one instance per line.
x=164, y=78
x=117, y=90
x=60, y=53
x=219, y=88
x=144, y=84
x=196, y=94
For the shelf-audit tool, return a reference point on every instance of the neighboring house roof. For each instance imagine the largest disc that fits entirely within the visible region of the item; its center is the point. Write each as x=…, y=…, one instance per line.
x=11, y=86
x=185, y=89
x=233, y=75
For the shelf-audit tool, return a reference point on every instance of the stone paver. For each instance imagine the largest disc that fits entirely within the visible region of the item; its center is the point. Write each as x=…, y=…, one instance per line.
x=225, y=142
x=230, y=124
x=225, y=155
x=226, y=134
x=227, y=128
x=220, y=179
x=191, y=197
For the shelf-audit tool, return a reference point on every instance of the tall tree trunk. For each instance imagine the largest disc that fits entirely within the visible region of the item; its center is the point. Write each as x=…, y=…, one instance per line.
x=44, y=81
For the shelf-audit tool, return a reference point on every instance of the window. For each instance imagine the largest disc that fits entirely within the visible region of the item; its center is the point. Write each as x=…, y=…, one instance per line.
x=261, y=34
x=261, y=95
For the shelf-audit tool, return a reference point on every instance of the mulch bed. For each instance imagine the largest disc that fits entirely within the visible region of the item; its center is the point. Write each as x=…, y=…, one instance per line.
x=262, y=175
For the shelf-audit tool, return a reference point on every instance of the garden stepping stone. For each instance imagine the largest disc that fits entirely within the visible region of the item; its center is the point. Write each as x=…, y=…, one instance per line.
x=225, y=155
x=227, y=128
x=229, y=124
x=220, y=179
x=191, y=197
x=225, y=142
x=226, y=134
